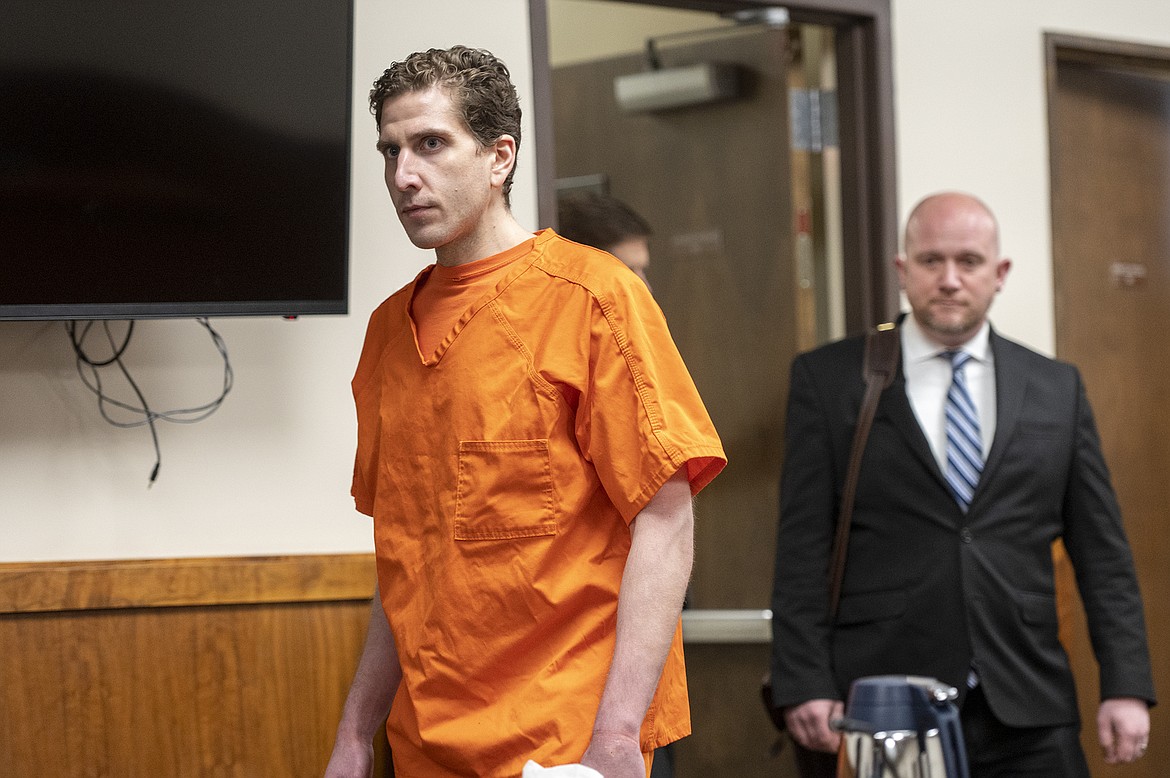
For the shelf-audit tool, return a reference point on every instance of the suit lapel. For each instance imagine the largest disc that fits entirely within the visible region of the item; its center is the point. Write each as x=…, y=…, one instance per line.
x=895, y=407
x=1011, y=387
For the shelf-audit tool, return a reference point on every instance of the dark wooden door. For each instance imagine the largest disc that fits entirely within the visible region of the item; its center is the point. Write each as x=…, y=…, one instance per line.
x=1109, y=112
x=714, y=182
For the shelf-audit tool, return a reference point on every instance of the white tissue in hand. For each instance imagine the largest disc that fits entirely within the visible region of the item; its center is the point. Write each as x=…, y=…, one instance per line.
x=533, y=770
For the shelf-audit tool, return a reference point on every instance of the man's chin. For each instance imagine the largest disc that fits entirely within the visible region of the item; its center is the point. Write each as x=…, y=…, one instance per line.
x=947, y=327
x=424, y=240
x=426, y=244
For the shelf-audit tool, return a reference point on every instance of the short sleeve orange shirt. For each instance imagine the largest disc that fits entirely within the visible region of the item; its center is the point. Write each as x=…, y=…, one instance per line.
x=502, y=472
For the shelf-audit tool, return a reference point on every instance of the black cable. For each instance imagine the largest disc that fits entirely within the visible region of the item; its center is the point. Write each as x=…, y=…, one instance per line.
x=149, y=417
x=72, y=325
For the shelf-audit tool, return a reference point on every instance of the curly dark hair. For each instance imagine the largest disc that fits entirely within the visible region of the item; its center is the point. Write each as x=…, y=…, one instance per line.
x=478, y=83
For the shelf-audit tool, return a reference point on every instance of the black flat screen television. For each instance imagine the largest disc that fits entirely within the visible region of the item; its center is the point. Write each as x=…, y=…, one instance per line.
x=167, y=158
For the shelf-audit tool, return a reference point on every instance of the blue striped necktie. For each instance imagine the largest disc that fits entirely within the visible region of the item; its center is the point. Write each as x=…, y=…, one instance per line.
x=964, y=443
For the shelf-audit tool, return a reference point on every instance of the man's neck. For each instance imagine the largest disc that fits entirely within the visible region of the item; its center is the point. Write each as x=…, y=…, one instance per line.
x=493, y=236
x=919, y=343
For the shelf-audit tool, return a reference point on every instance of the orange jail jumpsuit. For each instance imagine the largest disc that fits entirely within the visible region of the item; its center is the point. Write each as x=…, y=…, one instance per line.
x=502, y=472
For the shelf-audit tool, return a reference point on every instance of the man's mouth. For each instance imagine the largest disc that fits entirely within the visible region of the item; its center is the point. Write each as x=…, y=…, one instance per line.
x=414, y=209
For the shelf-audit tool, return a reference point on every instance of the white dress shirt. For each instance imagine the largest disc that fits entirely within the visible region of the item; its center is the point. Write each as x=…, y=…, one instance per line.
x=928, y=377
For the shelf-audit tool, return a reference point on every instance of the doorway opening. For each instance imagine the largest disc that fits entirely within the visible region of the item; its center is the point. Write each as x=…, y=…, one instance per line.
x=747, y=137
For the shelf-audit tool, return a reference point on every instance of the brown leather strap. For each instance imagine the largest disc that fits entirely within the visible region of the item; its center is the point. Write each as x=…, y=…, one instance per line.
x=882, y=348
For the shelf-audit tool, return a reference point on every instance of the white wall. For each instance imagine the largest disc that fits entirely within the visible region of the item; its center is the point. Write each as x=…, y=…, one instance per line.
x=971, y=114
x=269, y=473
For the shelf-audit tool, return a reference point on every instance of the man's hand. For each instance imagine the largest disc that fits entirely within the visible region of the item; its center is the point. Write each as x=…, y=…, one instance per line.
x=351, y=759
x=1123, y=729
x=808, y=723
x=615, y=755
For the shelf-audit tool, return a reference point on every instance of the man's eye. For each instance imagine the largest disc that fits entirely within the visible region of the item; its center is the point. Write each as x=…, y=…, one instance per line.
x=390, y=152
x=432, y=143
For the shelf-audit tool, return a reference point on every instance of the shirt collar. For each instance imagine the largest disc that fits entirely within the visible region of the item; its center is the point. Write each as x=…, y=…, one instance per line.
x=917, y=346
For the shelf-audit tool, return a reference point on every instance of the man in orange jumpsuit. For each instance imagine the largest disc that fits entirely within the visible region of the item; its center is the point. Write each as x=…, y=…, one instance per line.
x=528, y=444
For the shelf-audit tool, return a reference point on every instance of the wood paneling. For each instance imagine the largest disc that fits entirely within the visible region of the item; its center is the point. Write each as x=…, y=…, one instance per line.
x=211, y=667
x=149, y=583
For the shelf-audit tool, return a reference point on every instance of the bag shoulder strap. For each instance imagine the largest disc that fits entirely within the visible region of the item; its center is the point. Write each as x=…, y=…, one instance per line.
x=883, y=346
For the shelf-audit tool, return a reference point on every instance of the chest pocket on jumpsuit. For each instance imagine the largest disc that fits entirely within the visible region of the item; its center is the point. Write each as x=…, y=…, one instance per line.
x=505, y=490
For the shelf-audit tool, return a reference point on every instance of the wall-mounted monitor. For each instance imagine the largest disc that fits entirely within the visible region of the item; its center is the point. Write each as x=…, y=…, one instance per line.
x=166, y=158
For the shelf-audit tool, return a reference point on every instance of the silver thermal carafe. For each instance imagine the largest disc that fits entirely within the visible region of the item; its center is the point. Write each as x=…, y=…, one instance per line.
x=899, y=726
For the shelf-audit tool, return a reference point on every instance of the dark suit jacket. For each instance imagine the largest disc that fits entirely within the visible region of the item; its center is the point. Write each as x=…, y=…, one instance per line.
x=929, y=590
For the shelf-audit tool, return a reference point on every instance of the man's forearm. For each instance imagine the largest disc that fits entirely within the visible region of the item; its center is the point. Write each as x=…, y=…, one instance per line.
x=375, y=681
x=653, y=587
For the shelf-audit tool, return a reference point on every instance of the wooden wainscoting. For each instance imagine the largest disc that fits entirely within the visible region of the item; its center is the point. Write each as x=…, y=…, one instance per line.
x=179, y=667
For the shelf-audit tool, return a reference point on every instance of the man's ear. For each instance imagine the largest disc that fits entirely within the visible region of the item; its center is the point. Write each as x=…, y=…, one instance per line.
x=1001, y=271
x=503, y=153
x=900, y=266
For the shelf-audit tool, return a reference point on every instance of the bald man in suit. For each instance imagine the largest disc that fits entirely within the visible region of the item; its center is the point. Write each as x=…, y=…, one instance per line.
x=949, y=571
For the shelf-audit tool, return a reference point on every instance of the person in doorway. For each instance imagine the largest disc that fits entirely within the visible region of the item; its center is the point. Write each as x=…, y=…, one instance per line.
x=607, y=223
x=529, y=441
x=981, y=454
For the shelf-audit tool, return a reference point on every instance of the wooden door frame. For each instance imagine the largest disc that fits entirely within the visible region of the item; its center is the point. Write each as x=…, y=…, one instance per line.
x=865, y=98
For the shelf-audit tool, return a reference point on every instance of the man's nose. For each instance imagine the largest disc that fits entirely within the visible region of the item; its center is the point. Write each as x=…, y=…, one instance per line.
x=950, y=276
x=405, y=172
